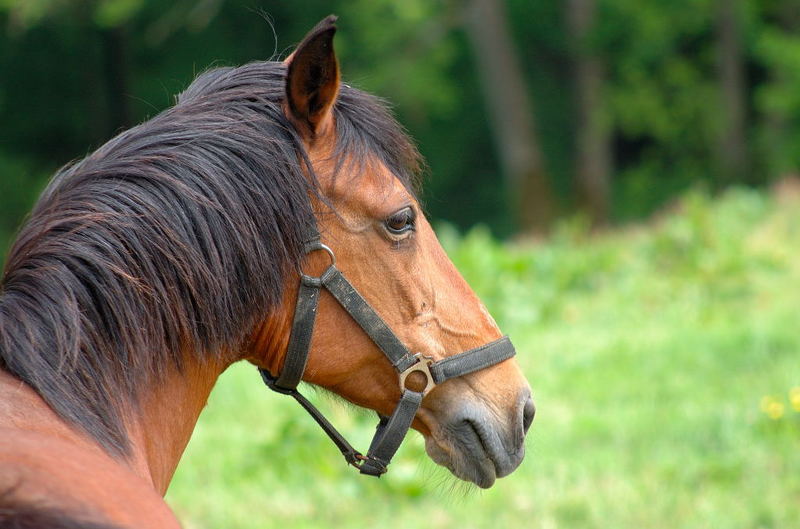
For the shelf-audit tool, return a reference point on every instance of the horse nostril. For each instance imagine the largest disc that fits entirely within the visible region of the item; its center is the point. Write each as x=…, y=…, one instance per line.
x=528, y=411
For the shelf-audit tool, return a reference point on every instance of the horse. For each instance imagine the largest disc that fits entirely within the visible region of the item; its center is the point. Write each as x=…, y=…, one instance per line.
x=270, y=216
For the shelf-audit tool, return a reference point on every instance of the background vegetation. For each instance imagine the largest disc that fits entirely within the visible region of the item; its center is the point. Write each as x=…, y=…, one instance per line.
x=527, y=111
x=662, y=346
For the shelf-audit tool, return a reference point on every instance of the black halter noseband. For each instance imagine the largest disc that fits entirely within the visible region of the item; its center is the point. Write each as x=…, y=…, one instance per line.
x=391, y=430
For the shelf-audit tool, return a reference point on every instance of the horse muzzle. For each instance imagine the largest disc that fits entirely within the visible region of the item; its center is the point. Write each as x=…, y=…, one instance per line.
x=476, y=443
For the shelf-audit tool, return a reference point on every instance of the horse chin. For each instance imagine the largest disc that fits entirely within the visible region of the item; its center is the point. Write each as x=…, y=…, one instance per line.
x=478, y=470
x=472, y=453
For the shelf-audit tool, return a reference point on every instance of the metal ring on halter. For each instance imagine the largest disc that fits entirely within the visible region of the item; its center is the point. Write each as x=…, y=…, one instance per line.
x=423, y=366
x=314, y=246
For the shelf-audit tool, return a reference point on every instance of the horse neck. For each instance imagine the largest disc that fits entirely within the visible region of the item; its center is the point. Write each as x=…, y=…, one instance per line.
x=159, y=426
x=162, y=424
x=160, y=430
x=75, y=471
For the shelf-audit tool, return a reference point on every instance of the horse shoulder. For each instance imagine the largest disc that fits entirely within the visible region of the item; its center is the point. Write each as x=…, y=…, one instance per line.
x=46, y=465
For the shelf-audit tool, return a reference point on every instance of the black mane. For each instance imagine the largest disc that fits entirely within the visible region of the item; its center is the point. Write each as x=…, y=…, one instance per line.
x=176, y=237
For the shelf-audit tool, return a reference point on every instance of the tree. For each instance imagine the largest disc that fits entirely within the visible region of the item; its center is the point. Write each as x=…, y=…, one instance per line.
x=593, y=132
x=510, y=114
x=734, y=161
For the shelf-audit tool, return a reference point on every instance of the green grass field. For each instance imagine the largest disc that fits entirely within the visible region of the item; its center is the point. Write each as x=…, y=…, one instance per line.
x=661, y=358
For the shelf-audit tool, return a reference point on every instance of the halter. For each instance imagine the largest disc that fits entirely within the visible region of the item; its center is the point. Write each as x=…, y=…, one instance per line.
x=391, y=430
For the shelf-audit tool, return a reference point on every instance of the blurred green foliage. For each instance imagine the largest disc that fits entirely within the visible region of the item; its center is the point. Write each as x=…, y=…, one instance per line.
x=663, y=361
x=74, y=72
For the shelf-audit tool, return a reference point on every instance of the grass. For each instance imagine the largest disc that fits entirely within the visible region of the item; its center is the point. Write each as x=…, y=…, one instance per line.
x=651, y=352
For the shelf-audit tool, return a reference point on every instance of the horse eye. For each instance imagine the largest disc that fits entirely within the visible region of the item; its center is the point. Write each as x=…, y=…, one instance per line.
x=401, y=221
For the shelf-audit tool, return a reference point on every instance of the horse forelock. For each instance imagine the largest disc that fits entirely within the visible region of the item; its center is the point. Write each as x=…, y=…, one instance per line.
x=176, y=236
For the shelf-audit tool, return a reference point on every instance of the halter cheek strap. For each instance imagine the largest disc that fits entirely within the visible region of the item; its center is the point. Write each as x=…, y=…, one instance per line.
x=391, y=430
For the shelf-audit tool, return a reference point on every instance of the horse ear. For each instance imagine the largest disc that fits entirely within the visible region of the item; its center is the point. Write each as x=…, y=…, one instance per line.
x=312, y=81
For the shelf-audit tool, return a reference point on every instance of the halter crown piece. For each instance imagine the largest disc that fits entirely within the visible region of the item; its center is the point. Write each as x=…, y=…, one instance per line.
x=391, y=430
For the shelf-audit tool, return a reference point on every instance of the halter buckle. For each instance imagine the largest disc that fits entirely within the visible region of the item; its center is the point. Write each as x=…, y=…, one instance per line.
x=423, y=365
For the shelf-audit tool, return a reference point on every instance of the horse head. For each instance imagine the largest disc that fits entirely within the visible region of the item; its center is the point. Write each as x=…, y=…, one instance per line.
x=374, y=225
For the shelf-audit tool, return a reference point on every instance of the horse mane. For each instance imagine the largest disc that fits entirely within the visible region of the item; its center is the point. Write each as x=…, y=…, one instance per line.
x=175, y=238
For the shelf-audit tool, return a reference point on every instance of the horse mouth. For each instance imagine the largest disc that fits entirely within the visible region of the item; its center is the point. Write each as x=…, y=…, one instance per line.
x=473, y=452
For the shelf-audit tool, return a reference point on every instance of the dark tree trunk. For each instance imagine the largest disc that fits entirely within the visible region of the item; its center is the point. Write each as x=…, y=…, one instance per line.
x=511, y=114
x=733, y=156
x=593, y=134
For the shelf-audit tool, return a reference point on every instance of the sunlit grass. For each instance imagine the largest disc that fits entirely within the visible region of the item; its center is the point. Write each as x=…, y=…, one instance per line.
x=657, y=355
